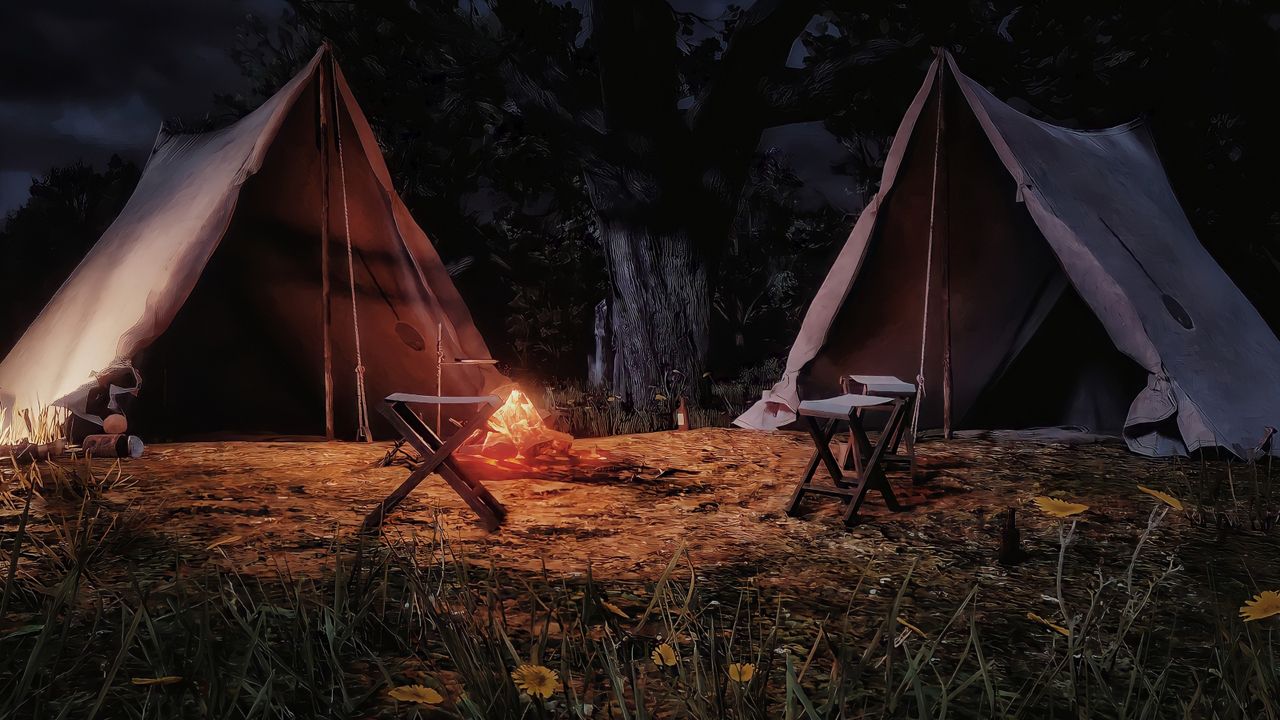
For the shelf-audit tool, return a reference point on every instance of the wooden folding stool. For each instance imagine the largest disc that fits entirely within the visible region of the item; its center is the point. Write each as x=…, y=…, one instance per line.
x=862, y=469
x=437, y=455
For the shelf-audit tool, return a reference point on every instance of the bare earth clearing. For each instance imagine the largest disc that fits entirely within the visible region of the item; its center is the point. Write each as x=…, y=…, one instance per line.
x=272, y=506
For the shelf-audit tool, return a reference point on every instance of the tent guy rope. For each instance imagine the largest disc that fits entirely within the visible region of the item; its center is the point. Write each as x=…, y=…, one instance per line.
x=928, y=262
x=362, y=406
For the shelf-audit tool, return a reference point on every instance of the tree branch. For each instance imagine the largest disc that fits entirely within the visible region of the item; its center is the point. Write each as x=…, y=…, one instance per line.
x=814, y=93
x=635, y=42
x=758, y=47
x=401, y=13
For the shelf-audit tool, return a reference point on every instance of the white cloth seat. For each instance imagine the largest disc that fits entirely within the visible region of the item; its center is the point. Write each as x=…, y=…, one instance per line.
x=884, y=384
x=840, y=407
x=444, y=399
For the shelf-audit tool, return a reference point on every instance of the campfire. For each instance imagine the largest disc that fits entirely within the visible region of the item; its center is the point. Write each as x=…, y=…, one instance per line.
x=517, y=439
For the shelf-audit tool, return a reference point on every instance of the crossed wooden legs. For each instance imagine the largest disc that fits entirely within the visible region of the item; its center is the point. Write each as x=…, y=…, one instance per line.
x=437, y=457
x=866, y=474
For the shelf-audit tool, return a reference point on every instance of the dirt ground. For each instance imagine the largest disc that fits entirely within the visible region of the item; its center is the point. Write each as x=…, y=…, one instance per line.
x=267, y=506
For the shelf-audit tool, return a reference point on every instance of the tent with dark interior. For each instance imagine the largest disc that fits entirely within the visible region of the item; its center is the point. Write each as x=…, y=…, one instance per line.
x=1029, y=275
x=255, y=274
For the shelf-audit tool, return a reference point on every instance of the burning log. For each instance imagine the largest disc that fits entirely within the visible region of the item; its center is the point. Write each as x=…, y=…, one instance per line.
x=517, y=430
x=517, y=440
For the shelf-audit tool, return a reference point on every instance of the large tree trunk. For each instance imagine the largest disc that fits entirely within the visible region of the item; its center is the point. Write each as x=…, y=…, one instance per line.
x=660, y=309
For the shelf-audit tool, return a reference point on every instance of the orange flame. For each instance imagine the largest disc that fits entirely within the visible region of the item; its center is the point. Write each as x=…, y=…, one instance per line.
x=516, y=430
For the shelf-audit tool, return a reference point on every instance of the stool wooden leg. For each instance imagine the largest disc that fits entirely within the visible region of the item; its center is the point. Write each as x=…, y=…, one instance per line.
x=797, y=497
x=437, y=457
x=822, y=444
x=874, y=478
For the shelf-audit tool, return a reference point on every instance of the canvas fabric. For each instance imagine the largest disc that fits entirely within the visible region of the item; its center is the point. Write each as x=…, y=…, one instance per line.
x=1031, y=218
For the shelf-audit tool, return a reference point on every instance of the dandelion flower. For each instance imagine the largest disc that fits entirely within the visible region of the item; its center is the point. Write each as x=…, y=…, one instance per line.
x=417, y=694
x=664, y=655
x=741, y=672
x=1261, y=607
x=1059, y=508
x=911, y=627
x=536, y=680
x=1165, y=498
x=166, y=680
x=1049, y=624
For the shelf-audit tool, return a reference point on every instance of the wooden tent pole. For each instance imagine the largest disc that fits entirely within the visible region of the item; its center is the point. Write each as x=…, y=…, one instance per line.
x=439, y=377
x=326, y=311
x=940, y=157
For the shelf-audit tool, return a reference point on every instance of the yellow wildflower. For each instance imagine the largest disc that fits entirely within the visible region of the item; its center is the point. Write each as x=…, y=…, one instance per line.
x=1165, y=498
x=741, y=672
x=1059, y=508
x=536, y=680
x=418, y=694
x=1262, y=606
x=664, y=655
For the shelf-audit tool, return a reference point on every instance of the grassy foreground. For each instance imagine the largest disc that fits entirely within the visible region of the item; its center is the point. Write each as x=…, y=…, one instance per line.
x=405, y=626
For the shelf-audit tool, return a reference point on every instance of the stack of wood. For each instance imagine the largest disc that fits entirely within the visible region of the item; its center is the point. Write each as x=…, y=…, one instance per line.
x=112, y=442
x=33, y=452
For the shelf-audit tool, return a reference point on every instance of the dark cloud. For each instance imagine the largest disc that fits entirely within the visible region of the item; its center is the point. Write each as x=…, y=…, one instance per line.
x=84, y=79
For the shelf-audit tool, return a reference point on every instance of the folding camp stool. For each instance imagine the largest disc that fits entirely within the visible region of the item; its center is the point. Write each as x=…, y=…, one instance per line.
x=892, y=387
x=863, y=467
x=437, y=455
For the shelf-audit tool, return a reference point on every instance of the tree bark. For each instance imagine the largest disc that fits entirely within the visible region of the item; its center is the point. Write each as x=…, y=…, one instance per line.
x=660, y=309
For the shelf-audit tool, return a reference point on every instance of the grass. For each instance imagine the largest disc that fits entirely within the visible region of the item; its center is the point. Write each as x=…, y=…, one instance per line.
x=82, y=638
x=42, y=426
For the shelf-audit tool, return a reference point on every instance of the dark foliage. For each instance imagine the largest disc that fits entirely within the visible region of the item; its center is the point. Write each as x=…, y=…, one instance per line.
x=533, y=142
x=44, y=240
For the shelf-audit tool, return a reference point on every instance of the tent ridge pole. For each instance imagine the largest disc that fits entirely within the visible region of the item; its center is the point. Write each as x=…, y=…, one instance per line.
x=326, y=310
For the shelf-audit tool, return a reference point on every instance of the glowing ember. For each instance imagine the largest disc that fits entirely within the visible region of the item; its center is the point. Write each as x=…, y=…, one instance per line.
x=516, y=431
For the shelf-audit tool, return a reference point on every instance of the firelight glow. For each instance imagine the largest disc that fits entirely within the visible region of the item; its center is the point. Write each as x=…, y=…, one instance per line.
x=517, y=430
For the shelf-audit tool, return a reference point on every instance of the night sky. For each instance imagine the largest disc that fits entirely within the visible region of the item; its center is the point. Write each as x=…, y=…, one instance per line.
x=85, y=79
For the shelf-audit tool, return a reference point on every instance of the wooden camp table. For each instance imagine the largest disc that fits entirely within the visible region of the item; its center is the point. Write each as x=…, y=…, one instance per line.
x=437, y=455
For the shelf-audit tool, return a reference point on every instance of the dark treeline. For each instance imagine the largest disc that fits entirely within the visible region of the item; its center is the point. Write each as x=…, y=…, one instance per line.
x=44, y=240
x=553, y=155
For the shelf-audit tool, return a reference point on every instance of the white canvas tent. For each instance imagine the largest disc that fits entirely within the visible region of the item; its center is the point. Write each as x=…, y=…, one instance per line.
x=989, y=223
x=213, y=282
